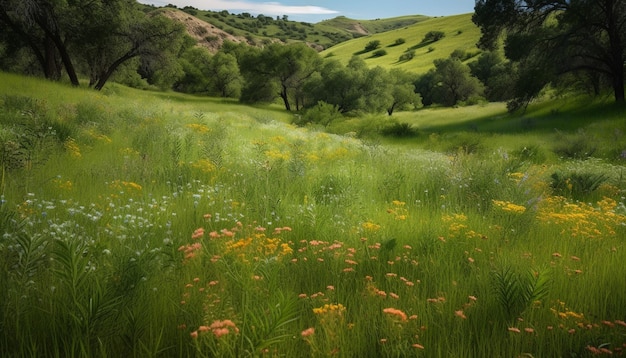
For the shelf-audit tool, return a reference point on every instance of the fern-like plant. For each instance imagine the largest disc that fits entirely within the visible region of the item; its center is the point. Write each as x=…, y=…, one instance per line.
x=516, y=291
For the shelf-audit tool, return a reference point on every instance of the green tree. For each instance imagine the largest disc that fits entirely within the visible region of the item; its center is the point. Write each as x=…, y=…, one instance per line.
x=195, y=62
x=98, y=35
x=454, y=82
x=402, y=91
x=552, y=38
x=279, y=71
x=225, y=79
x=42, y=28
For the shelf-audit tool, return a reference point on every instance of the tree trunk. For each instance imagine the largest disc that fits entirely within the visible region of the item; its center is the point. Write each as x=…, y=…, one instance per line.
x=283, y=95
x=107, y=74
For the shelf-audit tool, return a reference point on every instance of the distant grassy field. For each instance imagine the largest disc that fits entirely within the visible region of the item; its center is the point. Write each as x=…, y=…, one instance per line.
x=460, y=34
x=136, y=223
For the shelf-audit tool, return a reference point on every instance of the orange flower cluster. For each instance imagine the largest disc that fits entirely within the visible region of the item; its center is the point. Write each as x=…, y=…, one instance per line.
x=396, y=313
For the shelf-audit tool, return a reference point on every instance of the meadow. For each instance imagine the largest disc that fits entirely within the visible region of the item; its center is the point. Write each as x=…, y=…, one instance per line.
x=143, y=224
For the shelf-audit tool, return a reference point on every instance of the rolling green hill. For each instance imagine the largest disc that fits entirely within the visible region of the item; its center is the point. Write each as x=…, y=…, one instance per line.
x=260, y=29
x=460, y=34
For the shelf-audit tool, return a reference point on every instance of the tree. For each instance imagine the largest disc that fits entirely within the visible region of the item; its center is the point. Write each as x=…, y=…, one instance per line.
x=97, y=35
x=402, y=90
x=154, y=38
x=454, y=82
x=552, y=38
x=40, y=25
x=279, y=71
x=225, y=79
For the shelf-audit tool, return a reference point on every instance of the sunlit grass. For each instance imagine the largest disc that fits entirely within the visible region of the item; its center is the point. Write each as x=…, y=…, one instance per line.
x=168, y=225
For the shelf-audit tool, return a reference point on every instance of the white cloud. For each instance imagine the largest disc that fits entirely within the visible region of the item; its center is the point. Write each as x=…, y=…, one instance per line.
x=267, y=8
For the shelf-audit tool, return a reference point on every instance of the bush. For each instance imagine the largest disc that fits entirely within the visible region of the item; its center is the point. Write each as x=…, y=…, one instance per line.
x=399, y=129
x=576, y=185
x=578, y=146
x=379, y=53
x=323, y=113
x=407, y=56
x=433, y=36
x=372, y=45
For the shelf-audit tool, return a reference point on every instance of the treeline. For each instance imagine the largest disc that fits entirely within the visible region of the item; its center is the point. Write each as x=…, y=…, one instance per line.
x=131, y=43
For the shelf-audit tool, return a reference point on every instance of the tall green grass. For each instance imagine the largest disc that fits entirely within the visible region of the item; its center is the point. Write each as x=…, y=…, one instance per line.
x=156, y=224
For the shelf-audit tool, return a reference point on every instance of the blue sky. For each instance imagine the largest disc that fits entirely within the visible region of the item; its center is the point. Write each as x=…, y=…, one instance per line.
x=318, y=10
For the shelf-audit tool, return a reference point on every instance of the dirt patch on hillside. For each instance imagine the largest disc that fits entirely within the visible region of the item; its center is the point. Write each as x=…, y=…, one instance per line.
x=207, y=35
x=358, y=29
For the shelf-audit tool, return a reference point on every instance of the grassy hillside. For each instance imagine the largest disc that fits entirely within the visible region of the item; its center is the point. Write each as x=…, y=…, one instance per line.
x=460, y=34
x=145, y=224
x=323, y=34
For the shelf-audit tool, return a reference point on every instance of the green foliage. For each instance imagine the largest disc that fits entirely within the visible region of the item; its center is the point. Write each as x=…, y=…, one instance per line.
x=407, y=56
x=379, y=53
x=185, y=216
x=372, y=45
x=323, y=113
x=577, y=185
x=433, y=36
x=454, y=83
x=399, y=129
x=515, y=291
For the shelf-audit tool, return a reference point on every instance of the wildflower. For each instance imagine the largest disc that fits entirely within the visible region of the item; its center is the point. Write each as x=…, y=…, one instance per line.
x=529, y=330
x=396, y=312
x=575, y=258
x=460, y=314
x=417, y=345
x=308, y=332
x=514, y=329
x=198, y=233
x=413, y=317
x=383, y=340
x=194, y=334
x=330, y=287
x=393, y=295
x=472, y=298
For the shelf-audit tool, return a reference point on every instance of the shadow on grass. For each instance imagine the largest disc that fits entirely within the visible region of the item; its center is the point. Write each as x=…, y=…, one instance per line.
x=540, y=119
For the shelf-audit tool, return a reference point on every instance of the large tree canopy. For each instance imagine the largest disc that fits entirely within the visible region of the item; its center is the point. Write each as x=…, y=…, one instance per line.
x=551, y=38
x=96, y=35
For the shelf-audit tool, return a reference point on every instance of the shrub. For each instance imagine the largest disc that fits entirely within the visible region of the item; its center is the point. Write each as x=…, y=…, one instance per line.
x=372, y=45
x=323, y=113
x=578, y=146
x=407, y=56
x=399, y=129
x=379, y=53
x=576, y=185
x=433, y=36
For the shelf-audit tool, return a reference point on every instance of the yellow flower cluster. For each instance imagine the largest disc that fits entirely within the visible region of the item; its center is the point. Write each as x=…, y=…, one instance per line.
x=398, y=210
x=204, y=165
x=581, y=219
x=370, y=226
x=127, y=185
x=456, y=224
x=509, y=207
x=257, y=247
x=72, y=147
x=92, y=133
x=200, y=128
x=63, y=184
x=331, y=308
x=277, y=155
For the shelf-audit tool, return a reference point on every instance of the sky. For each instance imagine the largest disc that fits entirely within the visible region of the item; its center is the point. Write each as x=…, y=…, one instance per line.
x=318, y=10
